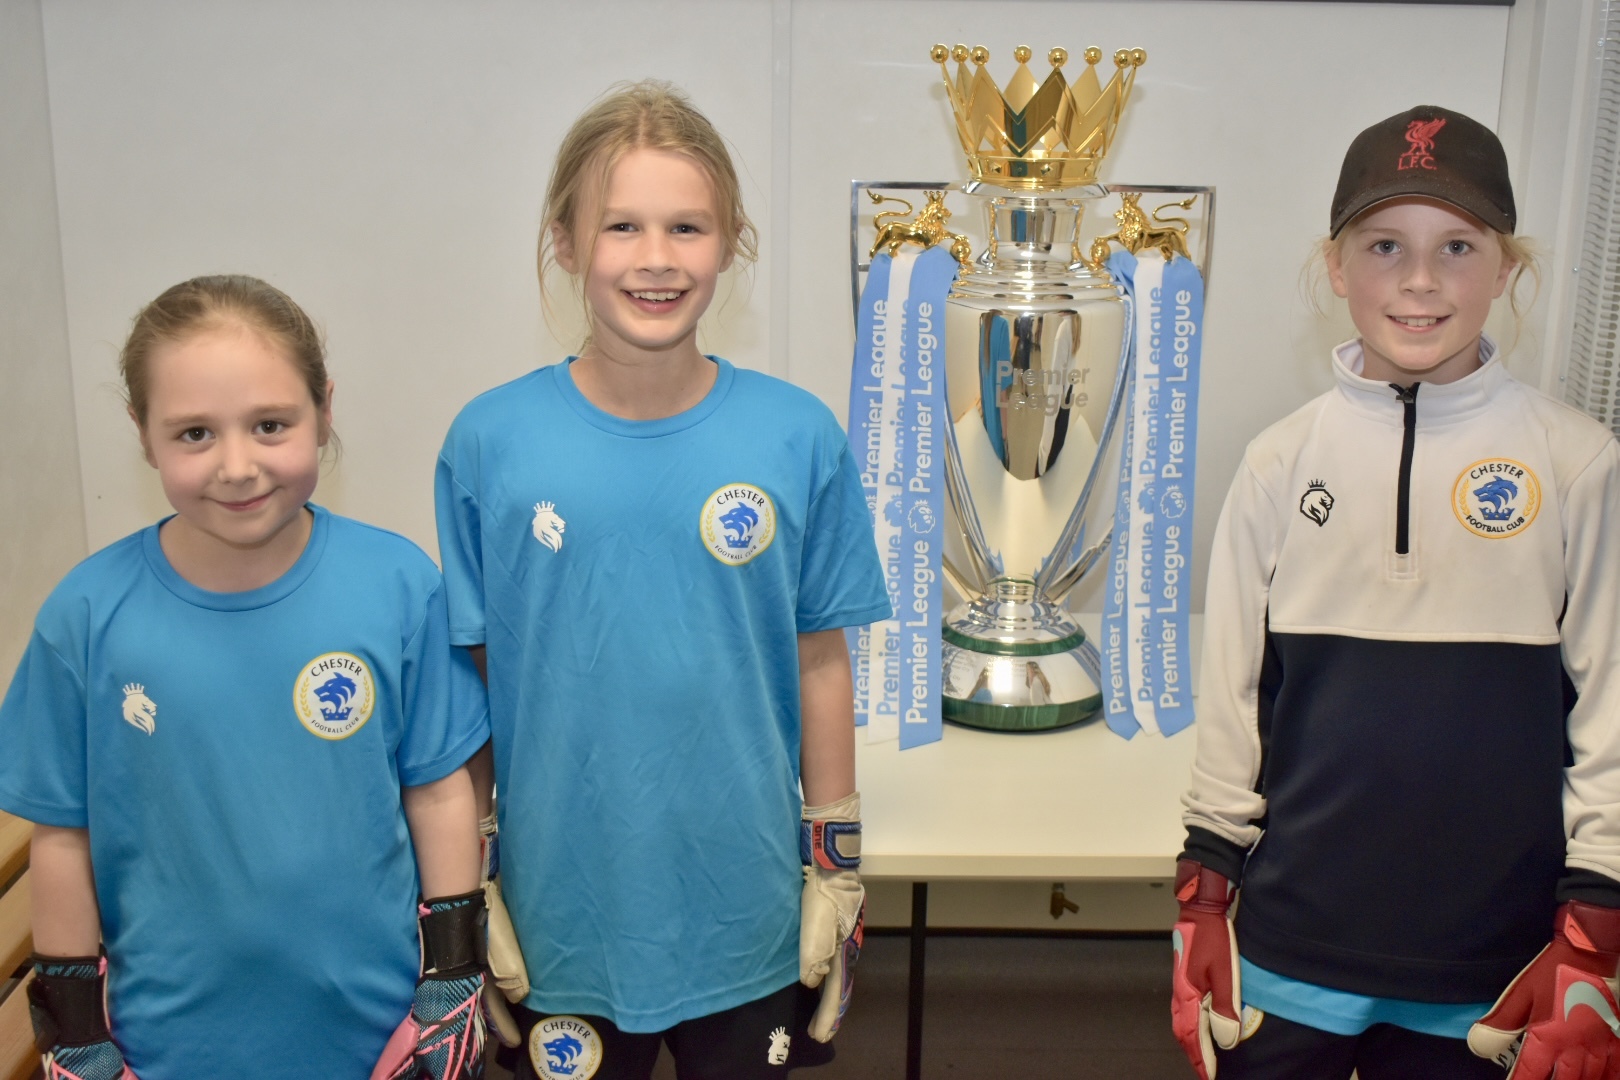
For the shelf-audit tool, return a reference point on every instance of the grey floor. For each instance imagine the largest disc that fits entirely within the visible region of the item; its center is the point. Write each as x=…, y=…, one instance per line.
x=1010, y=1007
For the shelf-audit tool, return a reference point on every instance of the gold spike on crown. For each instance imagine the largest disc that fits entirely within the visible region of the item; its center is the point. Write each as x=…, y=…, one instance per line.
x=1045, y=137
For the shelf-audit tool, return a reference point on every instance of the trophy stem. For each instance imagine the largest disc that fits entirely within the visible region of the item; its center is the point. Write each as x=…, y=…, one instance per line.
x=1048, y=573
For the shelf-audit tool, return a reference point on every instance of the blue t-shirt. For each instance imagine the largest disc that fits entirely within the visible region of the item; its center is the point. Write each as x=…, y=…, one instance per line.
x=640, y=587
x=237, y=758
x=1343, y=1013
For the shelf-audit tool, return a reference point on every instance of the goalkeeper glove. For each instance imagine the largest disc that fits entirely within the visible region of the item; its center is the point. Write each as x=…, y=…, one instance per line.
x=443, y=1037
x=832, y=908
x=67, y=1002
x=1558, y=1017
x=508, y=977
x=1204, y=989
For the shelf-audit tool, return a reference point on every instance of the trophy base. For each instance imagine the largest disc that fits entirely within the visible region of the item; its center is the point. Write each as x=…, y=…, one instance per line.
x=1012, y=662
x=1015, y=718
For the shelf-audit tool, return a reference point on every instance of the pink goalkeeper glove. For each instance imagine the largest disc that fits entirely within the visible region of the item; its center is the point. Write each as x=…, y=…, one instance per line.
x=443, y=1036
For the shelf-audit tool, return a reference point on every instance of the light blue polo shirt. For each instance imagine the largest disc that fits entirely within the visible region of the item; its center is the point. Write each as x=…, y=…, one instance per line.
x=237, y=758
x=640, y=587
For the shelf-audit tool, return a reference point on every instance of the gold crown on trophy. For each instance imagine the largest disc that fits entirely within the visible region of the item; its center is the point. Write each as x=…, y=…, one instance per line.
x=1045, y=137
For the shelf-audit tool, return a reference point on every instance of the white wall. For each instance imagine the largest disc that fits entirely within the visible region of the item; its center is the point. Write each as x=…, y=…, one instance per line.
x=383, y=162
x=42, y=527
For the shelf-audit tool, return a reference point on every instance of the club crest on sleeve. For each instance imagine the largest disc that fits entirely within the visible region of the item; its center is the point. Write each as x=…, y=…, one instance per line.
x=334, y=695
x=1317, y=502
x=564, y=1048
x=1496, y=498
x=737, y=523
x=549, y=525
x=140, y=710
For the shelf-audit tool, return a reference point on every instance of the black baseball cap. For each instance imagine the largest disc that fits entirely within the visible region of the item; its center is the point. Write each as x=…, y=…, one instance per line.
x=1427, y=151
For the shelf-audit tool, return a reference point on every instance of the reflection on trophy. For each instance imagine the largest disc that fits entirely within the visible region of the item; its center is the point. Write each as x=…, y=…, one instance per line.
x=1036, y=369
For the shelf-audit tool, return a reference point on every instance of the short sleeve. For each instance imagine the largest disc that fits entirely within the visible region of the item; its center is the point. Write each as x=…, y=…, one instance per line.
x=840, y=578
x=460, y=553
x=445, y=705
x=42, y=727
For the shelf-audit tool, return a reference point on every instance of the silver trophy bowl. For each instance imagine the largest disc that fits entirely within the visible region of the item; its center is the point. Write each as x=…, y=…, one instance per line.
x=1036, y=364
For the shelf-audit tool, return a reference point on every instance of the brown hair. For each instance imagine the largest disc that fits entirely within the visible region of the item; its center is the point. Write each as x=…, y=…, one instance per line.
x=209, y=303
x=651, y=115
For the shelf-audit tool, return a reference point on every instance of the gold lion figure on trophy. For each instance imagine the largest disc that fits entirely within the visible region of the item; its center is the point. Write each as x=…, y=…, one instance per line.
x=929, y=228
x=1136, y=234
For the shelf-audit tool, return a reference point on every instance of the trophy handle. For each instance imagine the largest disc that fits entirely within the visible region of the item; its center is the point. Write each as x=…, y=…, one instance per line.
x=1049, y=573
x=1071, y=577
x=983, y=560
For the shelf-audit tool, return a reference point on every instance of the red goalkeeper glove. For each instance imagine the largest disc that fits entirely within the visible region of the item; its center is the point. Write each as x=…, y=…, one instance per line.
x=67, y=1002
x=443, y=1037
x=1559, y=1015
x=1205, y=990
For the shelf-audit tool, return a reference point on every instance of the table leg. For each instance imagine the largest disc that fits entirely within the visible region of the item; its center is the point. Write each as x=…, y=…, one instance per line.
x=914, y=986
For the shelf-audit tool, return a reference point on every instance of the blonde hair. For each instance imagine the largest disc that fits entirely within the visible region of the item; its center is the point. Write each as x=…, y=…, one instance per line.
x=211, y=303
x=647, y=115
x=1518, y=250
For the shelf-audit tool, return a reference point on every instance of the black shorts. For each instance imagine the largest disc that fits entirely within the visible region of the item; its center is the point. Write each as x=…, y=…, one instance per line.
x=1283, y=1050
x=758, y=1040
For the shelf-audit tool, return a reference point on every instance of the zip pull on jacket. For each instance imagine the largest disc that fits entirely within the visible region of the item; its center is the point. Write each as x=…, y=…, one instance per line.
x=1403, y=485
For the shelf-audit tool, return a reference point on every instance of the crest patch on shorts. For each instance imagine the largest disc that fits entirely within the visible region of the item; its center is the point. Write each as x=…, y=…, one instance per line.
x=334, y=695
x=1496, y=498
x=564, y=1048
x=737, y=523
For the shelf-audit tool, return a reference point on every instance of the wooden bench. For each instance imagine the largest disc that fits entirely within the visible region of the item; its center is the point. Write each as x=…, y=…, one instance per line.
x=18, y=1058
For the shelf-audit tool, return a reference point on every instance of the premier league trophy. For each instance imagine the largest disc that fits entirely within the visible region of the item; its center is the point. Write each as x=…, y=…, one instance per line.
x=1037, y=344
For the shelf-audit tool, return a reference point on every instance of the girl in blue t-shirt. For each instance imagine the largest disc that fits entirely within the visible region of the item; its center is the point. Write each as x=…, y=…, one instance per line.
x=655, y=553
x=241, y=734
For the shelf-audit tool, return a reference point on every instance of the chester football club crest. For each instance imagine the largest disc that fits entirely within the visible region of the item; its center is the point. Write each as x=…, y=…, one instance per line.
x=334, y=695
x=564, y=1048
x=737, y=523
x=1496, y=498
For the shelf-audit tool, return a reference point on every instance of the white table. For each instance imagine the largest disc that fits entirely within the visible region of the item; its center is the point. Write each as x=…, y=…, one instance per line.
x=1080, y=803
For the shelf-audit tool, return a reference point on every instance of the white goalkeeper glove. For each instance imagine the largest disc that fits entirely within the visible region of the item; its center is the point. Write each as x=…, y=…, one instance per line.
x=832, y=907
x=508, y=977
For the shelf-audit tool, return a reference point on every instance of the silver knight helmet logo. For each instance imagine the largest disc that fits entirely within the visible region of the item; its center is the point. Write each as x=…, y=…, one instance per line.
x=1317, y=502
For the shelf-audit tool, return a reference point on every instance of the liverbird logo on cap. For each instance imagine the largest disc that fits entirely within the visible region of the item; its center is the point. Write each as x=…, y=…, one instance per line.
x=1420, y=139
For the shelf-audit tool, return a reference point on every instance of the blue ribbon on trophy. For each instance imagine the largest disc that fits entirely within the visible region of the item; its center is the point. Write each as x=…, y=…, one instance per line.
x=1146, y=648
x=897, y=418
